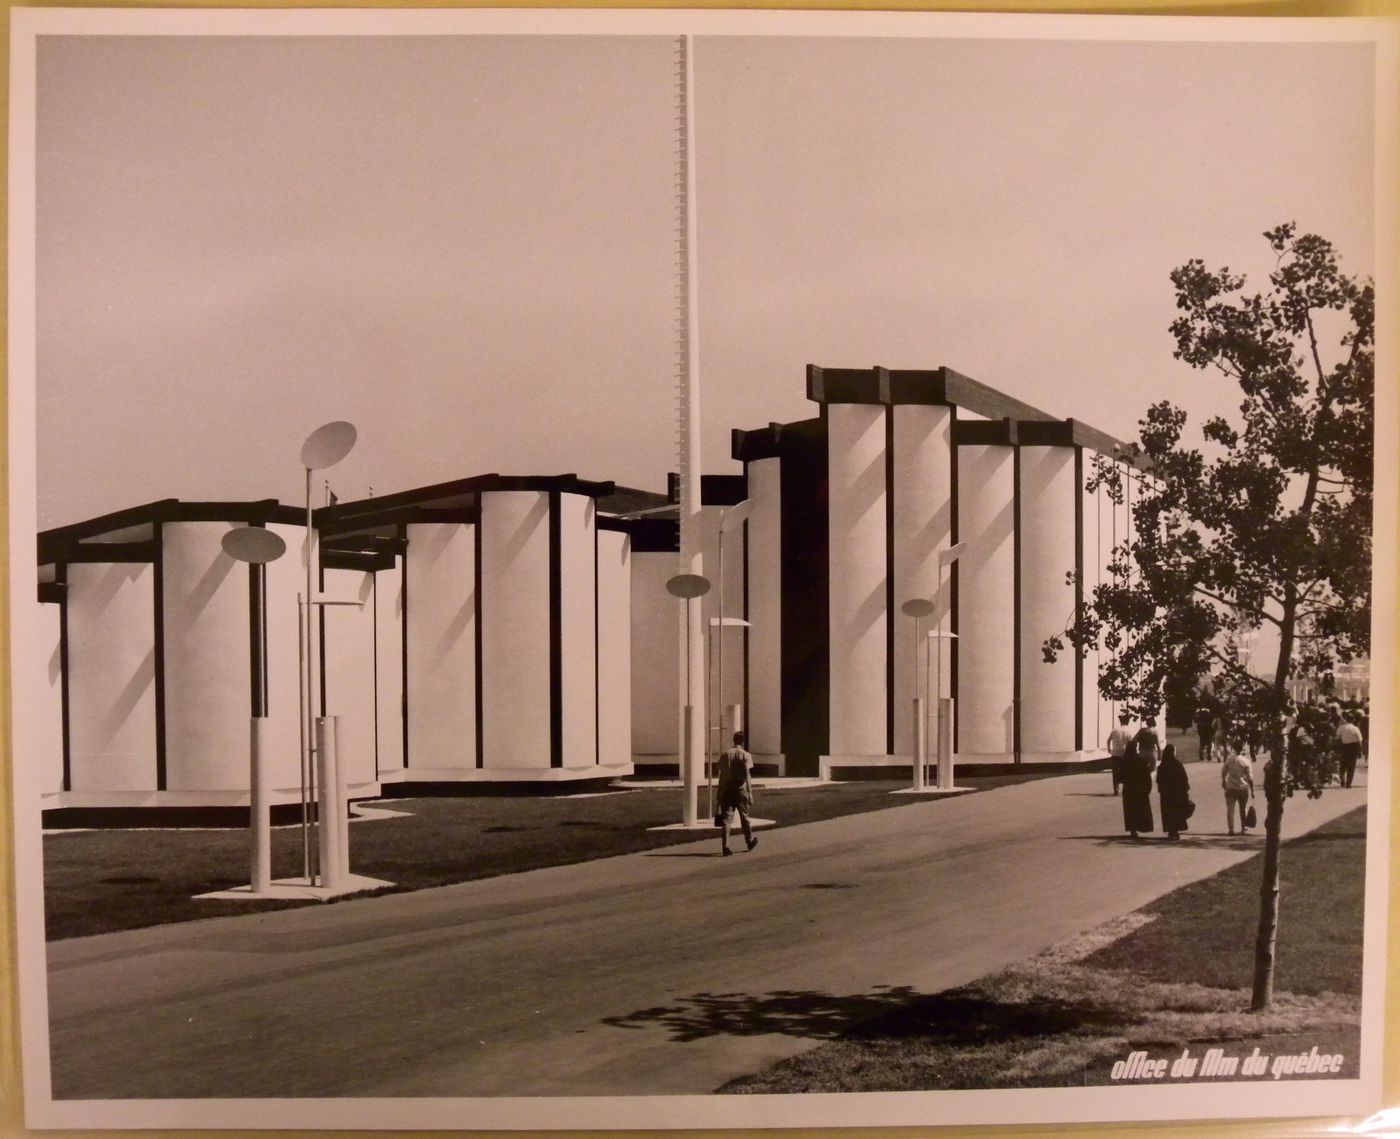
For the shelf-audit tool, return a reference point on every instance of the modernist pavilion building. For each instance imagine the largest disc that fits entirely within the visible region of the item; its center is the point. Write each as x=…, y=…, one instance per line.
x=517, y=630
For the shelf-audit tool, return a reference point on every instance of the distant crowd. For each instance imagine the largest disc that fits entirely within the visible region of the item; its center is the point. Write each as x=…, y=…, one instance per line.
x=1335, y=732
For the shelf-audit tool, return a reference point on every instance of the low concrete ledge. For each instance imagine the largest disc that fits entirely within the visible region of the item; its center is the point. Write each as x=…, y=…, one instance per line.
x=668, y=766
x=425, y=782
x=843, y=768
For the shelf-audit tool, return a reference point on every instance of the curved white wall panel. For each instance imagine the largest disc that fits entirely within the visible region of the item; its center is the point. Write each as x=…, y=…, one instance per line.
x=1048, y=546
x=208, y=673
x=349, y=658
x=765, y=615
x=614, y=648
x=111, y=662
x=46, y=722
x=656, y=620
x=440, y=576
x=388, y=664
x=922, y=526
x=578, y=631
x=515, y=629
x=858, y=614
x=986, y=603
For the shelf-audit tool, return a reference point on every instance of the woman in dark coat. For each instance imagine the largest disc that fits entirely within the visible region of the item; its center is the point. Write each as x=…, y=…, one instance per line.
x=1174, y=787
x=1137, y=791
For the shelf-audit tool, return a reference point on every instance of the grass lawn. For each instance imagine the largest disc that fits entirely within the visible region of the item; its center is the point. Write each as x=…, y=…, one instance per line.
x=1175, y=975
x=98, y=881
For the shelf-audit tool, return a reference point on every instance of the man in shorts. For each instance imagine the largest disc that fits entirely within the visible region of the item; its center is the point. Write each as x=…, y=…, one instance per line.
x=735, y=792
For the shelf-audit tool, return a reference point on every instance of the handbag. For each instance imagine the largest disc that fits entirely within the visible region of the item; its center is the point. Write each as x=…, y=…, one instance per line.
x=1190, y=809
x=1250, y=818
x=719, y=819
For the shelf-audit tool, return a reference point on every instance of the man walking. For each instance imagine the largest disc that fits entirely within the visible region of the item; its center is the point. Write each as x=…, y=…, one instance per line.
x=1349, y=744
x=1205, y=731
x=1117, y=745
x=735, y=792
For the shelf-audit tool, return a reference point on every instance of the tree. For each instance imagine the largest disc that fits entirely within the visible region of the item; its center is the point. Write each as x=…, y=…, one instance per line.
x=1267, y=524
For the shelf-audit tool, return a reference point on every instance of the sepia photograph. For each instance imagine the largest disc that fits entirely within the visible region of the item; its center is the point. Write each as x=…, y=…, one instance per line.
x=650, y=570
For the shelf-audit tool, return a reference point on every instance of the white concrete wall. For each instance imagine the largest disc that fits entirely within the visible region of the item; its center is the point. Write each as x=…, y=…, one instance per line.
x=388, y=603
x=986, y=606
x=208, y=670
x=1048, y=545
x=856, y=481
x=349, y=659
x=441, y=630
x=614, y=648
x=656, y=706
x=46, y=720
x=923, y=521
x=731, y=642
x=765, y=565
x=111, y=661
x=515, y=629
x=1097, y=714
x=286, y=578
x=578, y=631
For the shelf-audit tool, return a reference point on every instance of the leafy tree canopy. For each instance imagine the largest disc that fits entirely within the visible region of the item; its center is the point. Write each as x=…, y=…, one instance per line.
x=1266, y=520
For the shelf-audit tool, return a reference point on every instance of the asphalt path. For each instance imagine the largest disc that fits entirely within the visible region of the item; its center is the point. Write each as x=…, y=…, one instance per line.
x=669, y=971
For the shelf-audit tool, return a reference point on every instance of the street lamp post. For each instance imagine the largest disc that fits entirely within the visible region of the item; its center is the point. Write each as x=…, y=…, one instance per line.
x=689, y=587
x=323, y=448
x=257, y=546
x=944, y=740
x=918, y=608
x=716, y=632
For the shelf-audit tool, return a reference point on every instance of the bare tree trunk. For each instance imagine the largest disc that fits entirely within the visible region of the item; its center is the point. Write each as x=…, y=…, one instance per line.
x=1267, y=937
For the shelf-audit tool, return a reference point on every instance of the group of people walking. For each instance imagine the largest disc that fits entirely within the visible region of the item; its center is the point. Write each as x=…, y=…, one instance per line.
x=1138, y=758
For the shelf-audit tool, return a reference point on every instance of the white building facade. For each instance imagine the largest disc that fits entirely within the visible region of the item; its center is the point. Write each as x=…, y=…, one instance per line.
x=517, y=631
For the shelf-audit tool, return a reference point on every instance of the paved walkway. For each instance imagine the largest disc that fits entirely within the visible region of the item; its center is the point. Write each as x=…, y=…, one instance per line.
x=668, y=971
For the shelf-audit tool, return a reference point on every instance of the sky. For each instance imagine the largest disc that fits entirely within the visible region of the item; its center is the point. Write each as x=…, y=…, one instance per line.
x=466, y=245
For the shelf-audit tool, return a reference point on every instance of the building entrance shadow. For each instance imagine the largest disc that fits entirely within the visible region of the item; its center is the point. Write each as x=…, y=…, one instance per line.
x=958, y=1016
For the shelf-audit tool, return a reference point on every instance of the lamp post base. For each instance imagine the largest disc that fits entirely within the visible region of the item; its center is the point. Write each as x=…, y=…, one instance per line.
x=297, y=889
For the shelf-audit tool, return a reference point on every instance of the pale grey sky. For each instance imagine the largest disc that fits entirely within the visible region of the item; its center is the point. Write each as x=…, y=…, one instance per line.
x=465, y=245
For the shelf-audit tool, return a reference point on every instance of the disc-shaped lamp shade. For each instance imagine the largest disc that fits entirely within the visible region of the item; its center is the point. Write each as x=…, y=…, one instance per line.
x=917, y=607
x=736, y=515
x=688, y=585
x=327, y=445
x=253, y=544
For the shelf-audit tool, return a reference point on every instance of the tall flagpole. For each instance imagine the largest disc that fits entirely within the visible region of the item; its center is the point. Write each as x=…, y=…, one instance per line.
x=692, y=729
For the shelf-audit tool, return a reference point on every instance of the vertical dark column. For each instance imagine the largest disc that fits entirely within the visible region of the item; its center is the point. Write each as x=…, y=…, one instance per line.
x=889, y=579
x=255, y=639
x=1078, y=594
x=556, y=616
x=806, y=574
x=257, y=633
x=745, y=629
x=64, y=696
x=1016, y=602
x=480, y=633
x=374, y=661
x=321, y=623
x=158, y=598
x=953, y=574
x=403, y=636
x=598, y=728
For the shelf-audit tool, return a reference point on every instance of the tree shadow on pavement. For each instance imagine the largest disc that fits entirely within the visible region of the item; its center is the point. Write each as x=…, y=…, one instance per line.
x=957, y=1016
x=1251, y=842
